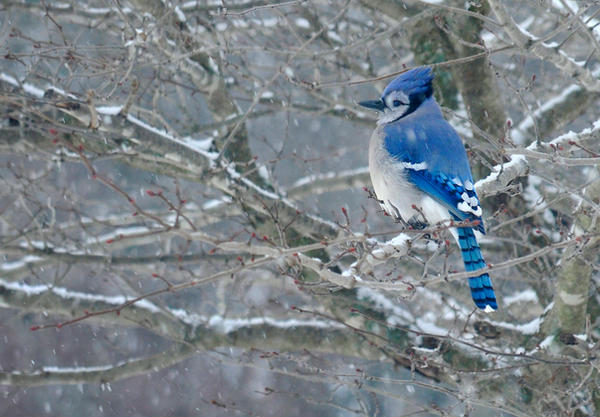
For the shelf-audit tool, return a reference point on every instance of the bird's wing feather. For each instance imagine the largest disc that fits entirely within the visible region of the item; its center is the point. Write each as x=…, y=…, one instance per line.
x=462, y=203
x=435, y=161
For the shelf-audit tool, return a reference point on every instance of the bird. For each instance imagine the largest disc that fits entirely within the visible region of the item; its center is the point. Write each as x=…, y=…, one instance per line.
x=420, y=171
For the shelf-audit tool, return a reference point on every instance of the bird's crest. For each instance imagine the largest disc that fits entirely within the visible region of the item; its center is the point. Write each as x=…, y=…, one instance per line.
x=412, y=83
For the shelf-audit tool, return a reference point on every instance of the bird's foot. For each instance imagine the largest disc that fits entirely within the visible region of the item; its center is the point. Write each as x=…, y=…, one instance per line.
x=417, y=223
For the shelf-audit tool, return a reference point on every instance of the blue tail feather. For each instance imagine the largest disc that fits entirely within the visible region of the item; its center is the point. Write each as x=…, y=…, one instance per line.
x=481, y=286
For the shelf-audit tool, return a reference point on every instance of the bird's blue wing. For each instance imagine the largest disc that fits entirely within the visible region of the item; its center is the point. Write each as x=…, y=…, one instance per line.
x=435, y=161
x=461, y=202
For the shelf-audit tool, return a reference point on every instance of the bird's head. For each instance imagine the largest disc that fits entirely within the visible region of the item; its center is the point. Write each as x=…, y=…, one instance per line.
x=403, y=95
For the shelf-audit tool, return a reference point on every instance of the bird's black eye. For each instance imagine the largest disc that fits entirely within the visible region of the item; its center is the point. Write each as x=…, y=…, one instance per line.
x=396, y=103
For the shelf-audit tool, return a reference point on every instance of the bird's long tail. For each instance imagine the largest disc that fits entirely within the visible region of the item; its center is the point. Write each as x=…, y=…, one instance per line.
x=481, y=286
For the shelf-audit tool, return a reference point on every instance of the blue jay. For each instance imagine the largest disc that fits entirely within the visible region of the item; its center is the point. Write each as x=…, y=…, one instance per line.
x=420, y=171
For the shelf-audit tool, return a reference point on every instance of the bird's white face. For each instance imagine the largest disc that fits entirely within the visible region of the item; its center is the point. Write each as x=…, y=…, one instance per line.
x=396, y=104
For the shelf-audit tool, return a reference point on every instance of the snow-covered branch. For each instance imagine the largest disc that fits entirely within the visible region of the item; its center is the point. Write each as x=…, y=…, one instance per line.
x=547, y=52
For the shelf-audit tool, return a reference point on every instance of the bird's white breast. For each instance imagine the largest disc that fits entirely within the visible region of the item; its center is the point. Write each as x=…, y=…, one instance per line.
x=396, y=194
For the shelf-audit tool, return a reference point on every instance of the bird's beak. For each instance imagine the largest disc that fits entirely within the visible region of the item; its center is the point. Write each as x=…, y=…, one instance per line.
x=378, y=105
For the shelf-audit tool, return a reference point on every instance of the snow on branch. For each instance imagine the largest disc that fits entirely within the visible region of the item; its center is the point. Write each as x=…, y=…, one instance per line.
x=502, y=175
x=518, y=165
x=193, y=156
x=329, y=182
x=546, y=52
x=174, y=323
